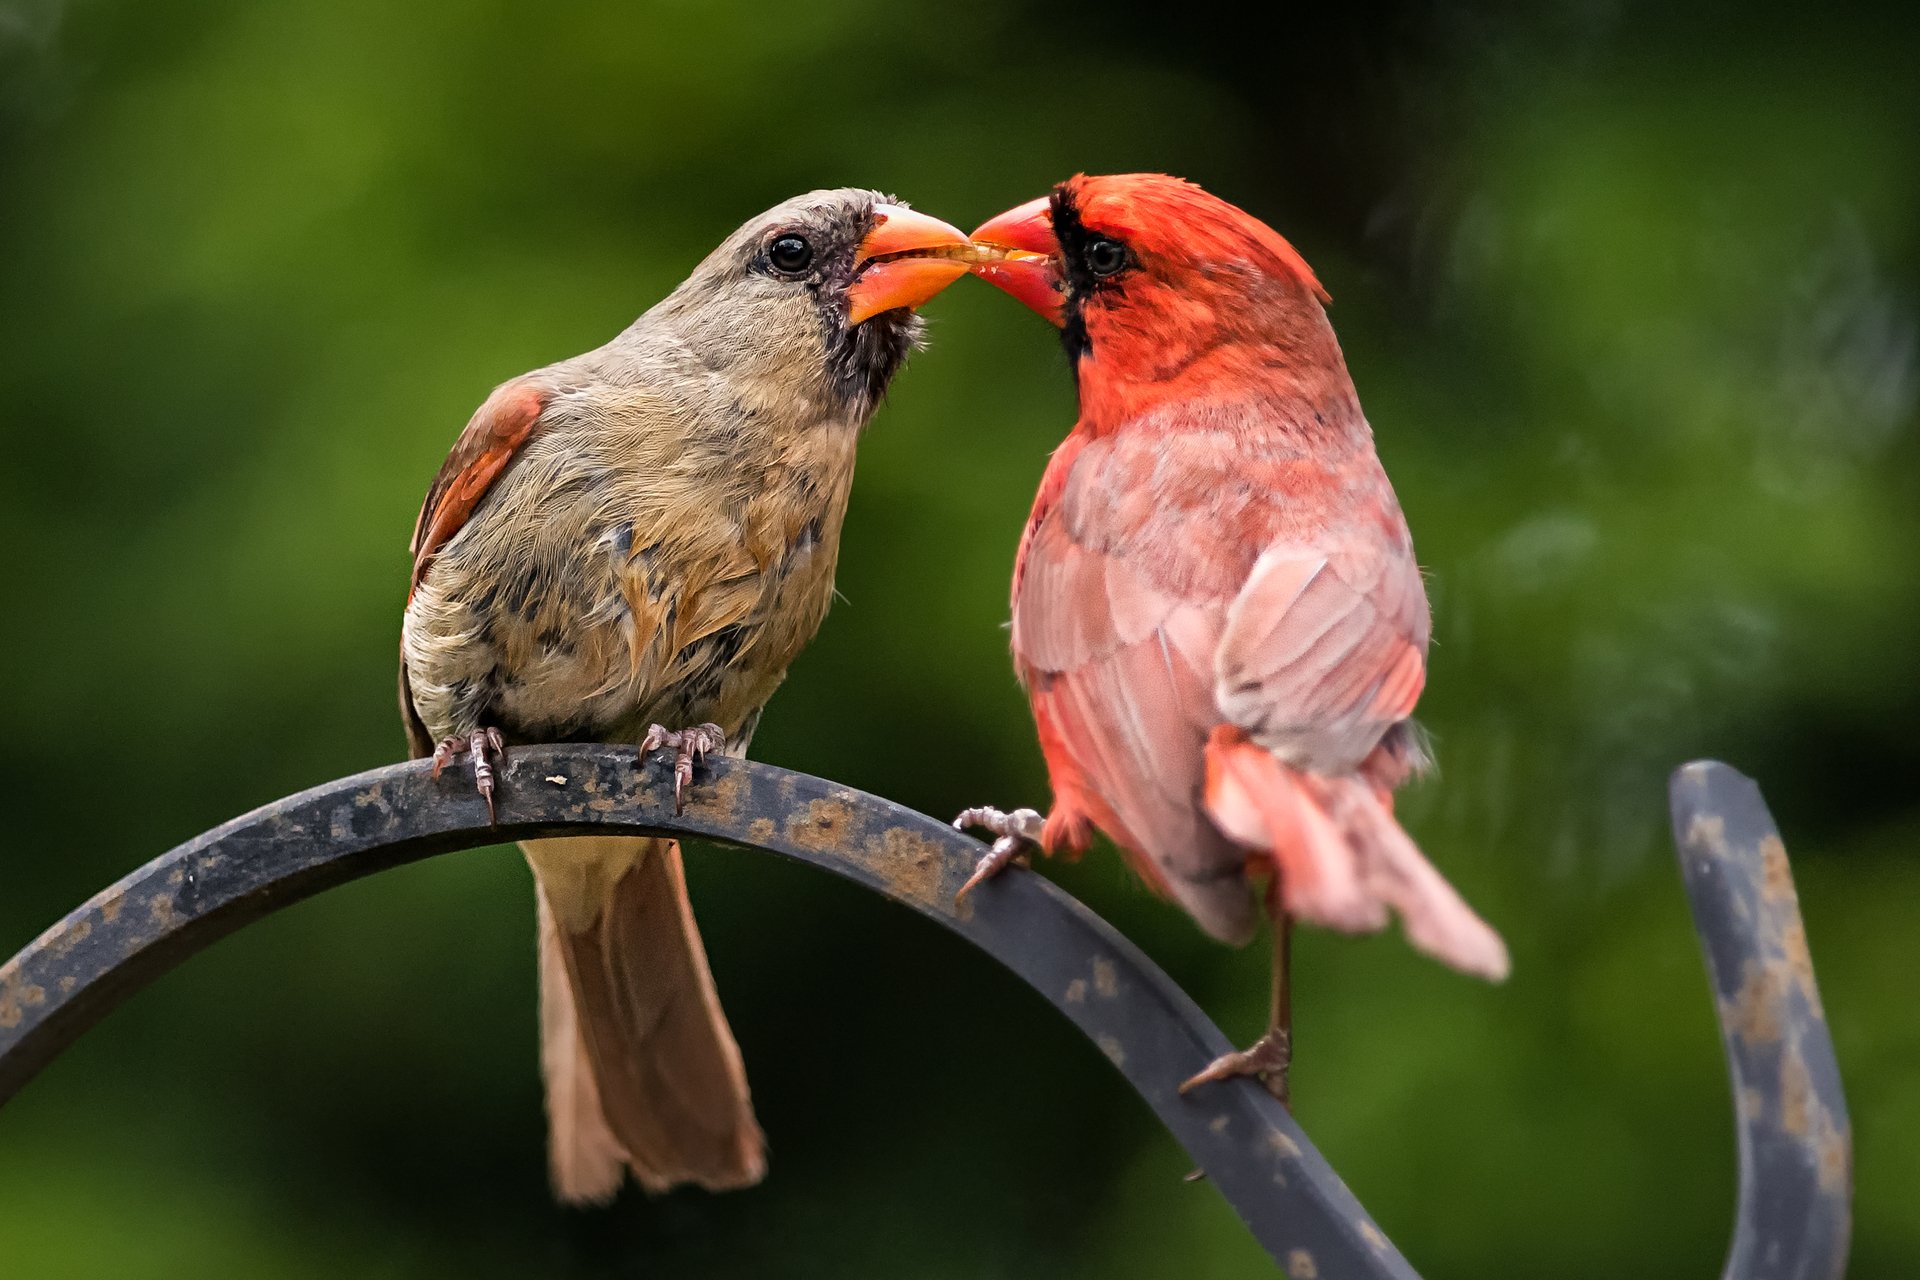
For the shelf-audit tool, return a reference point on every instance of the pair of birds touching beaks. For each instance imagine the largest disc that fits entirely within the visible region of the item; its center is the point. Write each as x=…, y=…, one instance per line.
x=1217, y=613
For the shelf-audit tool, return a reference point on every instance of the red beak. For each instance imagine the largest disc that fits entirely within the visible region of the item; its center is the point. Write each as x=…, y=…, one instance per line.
x=1028, y=265
x=904, y=260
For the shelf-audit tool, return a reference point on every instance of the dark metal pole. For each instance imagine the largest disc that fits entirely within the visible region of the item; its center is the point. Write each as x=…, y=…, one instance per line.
x=1796, y=1146
x=180, y=903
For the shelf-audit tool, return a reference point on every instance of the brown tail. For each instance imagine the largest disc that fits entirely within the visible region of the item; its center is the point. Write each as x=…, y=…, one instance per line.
x=641, y=1067
x=1341, y=856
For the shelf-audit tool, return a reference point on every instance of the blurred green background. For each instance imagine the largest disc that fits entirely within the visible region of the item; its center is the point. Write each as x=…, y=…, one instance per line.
x=1629, y=291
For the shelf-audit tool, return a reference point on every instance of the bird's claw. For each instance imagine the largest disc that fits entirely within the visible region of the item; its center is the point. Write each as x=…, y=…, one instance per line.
x=689, y=747
x=1016, y=836
x=489, y=752
x=1266, y=1059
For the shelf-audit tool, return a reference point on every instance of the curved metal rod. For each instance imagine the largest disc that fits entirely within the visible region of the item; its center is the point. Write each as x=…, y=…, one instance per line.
x=1247, y=1144
x=1796, y=1146
x=1794, y=1138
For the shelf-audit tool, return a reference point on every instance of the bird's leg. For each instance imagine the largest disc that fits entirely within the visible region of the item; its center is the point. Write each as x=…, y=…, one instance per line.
x=1016, y=836
x=689, y=747
x=487, y=748
x=1270, y=1057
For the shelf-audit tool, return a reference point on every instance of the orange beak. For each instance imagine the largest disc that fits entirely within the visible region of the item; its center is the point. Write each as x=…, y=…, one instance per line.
x=905, y=259
x=1027, y=259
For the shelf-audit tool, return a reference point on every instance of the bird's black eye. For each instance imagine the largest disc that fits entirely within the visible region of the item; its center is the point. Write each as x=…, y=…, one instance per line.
x=1104, y=257
x=790, y=254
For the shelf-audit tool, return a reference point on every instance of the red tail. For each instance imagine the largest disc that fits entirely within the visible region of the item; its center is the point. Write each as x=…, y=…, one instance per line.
x=1341, y=858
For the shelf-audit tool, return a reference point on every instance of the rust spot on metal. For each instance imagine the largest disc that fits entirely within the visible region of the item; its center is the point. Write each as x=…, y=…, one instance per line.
x=1804, y=1115
x=64, y=937
x=1217, y=1126
x=1708, y=832
x=760, y=830
x=110, y=904
x=1300, y=1266
x=1371, y=1234
x=1754, y=1015
x=1282, y=1145
x=1797, y=1102
x=177, y=877
x=908, y=863
x=1835, y=1161
x=1777, y=887
x=1793, y=941
x=599, y=799
x=67, y=984
x=1110, y=1046
x=160, y=910
x=721, y=794
x=1752, y=1103
x=1106, y=979
x=1077, y=991
x=817, y=827
x=17, y=995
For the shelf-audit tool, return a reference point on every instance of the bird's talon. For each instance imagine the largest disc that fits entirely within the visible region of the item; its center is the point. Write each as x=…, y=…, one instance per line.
x=1267, y=1060
x=488, y=749
x=496, y=746
x=996, y=860
x=1016, y=836
x=689, y=747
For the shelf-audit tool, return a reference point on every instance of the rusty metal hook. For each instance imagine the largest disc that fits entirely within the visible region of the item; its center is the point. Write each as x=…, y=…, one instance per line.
x=1796, y=1146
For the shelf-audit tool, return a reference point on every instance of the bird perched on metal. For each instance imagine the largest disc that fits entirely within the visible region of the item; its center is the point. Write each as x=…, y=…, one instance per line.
x=631, y=546
x=1217, y=614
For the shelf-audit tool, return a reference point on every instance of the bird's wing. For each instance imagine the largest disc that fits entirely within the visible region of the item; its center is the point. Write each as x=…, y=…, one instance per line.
x=497, y=433
x=1324, y=650
x=494, y=436
x=1119, y=667
x=1322, y=659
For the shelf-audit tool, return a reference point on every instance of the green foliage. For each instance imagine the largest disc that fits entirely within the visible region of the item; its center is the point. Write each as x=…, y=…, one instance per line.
x=1629, y=297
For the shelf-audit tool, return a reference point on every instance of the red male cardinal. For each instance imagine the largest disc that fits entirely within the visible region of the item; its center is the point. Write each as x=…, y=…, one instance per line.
x=1216, y=609
x=632, y=546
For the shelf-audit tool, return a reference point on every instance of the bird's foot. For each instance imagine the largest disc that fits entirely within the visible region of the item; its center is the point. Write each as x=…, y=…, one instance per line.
x=489, y=752
x=1016, y=836
x=690, y=746
x=1267, y=1060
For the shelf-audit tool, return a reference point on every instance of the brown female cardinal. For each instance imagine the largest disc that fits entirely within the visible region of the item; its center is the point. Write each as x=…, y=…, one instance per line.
x=1217, y=613
x=632, y=546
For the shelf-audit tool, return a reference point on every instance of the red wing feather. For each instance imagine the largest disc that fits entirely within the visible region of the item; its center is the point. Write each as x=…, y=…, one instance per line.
x=1120, y=673
x=1322, y=654
x=499, y=429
